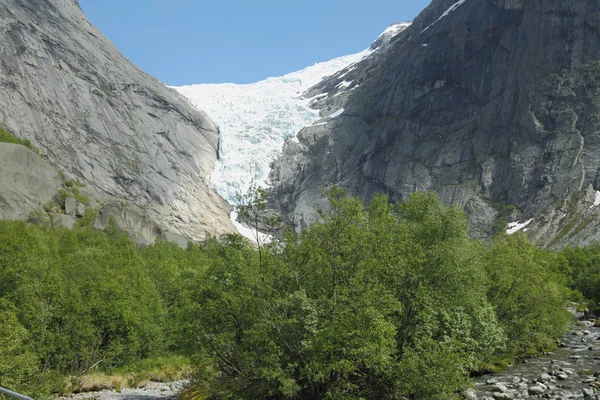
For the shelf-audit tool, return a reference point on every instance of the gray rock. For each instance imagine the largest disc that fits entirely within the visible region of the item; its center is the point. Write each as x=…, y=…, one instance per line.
x=180, y=240
x=27, y=182
x=81, y=208
x=130, y=219
x=71, y=207
x=536, y=390
x=499, y=387
x=588, y=393
x=66, y=221
x=100, y=119
x=471, y=394
x=545, y=378
x=495, y=109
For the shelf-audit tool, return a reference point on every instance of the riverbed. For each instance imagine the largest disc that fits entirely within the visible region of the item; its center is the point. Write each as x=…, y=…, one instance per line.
x=571, y=372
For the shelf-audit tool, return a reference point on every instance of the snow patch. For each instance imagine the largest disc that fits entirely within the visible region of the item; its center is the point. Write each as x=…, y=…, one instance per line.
x=351, y=68
x=515, y=227
x=344, y=84
x=394, y=29
x=597, y=200
x=247, y=232
x=337, y=113
x=446, y=13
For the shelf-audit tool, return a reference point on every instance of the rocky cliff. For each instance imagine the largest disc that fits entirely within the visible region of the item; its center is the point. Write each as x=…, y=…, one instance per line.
x=101, y=120
x=494, y=104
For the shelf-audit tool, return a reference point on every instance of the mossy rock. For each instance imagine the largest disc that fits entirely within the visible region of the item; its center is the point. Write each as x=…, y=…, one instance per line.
x=192, y=393
x=586, y=372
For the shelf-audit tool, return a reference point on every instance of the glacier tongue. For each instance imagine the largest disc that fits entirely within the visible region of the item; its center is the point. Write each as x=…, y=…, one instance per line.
x=255, y=119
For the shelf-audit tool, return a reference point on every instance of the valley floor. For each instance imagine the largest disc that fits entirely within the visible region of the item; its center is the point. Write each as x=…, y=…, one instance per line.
x=153, y=391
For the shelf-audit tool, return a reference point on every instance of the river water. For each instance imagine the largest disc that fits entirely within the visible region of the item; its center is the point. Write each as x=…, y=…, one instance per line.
x=569, y=373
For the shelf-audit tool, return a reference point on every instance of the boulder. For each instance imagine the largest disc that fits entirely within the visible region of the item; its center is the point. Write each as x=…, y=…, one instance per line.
x=27, y=182
x=66, y=221
x=81, y=208
x=71, y=207
x=536, y=390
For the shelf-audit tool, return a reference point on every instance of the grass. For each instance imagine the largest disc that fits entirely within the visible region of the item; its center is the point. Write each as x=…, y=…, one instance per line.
x=494, y=366
x=158, y=369
x=7, y=137
x=135, y=375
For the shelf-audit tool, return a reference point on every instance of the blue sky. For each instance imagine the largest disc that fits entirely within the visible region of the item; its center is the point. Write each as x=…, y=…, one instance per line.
x=211, y=41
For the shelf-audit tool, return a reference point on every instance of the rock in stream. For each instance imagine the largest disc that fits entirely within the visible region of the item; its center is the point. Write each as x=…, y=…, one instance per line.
x=571, y=372
x=153, y=391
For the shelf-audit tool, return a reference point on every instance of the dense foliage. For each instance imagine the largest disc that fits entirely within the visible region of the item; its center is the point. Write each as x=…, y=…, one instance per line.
x=377, y=302
x=581, y=266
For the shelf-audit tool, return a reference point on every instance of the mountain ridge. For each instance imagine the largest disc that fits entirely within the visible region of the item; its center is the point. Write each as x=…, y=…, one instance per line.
x=463, y=104
x=101, y=120
x=255, y=119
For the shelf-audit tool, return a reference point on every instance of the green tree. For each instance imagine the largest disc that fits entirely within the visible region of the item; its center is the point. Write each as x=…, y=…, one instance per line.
x=18, y=363
x=349, y=307
x=527, y=293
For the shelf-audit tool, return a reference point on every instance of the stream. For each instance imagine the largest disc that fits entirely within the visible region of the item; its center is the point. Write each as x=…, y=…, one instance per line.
x=571, y=372
x=153, y=391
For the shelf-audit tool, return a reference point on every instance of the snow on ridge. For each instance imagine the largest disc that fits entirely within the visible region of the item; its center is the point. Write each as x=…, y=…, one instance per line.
x=446, y=13
x=337, y=113
x=596, y=200
x=514, y=227
x=344, y=84
x=248, y=233
x=255, y=119
x=394, y=29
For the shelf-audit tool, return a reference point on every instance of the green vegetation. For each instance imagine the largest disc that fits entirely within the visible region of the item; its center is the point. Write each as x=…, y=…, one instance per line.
x=376, y=301
x=582, y=267
x=7, y=137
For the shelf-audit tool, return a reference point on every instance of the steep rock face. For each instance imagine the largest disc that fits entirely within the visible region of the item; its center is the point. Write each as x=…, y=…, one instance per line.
x=255, y=119
x=99, y=118
x=488, y=102
x=26, y=182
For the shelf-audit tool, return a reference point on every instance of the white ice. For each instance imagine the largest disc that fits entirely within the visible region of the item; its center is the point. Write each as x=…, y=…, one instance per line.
x=597, y=200
x=446, y=13
x=344, y=84
x=396, y=28
x=248, y=233
x=515, y=227
x=337, y=113
x=255, y=120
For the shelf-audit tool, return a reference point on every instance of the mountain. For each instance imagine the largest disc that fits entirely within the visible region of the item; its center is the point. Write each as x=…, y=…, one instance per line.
x=137, y=146
x=493, y=104
x=255, y=119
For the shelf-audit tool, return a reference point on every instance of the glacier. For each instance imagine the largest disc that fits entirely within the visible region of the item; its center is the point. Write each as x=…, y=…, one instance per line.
x=255, y=119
